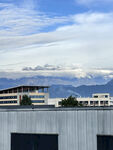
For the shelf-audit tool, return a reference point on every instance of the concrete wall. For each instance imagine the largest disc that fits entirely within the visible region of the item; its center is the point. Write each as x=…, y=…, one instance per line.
x=77, y=128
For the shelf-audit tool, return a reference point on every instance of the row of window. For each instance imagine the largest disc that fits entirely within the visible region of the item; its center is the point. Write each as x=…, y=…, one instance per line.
x=104, y=96
x=38, y=101
x=8, y=97
x=36, y=96
x=93, y=102
x=8, y=102
x=15, y=97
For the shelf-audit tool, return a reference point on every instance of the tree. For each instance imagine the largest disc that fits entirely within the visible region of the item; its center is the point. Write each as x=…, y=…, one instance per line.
x=26, y=100
x=70, y=102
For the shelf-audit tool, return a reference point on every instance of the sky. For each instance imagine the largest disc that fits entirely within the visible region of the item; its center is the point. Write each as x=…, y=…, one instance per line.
x=56, y=37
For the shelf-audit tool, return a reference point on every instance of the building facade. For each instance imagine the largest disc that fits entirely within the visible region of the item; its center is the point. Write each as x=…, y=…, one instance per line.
x=12, y=96
x=73, y=128
x=97, y=99
x=55, y=101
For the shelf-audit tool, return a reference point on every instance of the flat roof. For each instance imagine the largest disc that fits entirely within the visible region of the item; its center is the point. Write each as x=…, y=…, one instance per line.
x=100, y=93
x=52, y=108
x=24, y=86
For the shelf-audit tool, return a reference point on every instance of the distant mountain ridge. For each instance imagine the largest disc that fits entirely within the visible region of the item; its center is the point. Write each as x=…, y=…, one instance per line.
x=83, y=91
x=50, y=80
x=62, y=86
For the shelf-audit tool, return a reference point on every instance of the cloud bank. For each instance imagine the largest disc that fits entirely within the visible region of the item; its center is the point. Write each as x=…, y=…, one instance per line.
x=87, y=42
x=72, y=71
x=84, y=39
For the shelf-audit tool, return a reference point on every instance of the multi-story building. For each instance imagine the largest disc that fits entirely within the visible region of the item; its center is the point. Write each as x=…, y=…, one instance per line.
x=12, y=96
x=97, y=99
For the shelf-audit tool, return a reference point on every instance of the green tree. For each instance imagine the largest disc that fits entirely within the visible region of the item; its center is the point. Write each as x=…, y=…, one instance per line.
x=70, y=102
x=26, y=100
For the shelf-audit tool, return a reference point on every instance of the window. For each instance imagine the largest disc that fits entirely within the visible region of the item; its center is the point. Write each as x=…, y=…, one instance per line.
x=106, y=102
x=95, y=96
x=91, y=102
x=7, y=102
x=101, y=102
x=37, y=96
x=106, y=96
x=59, y=103
x=81, y=102
x=104, y=142
x=96, y=102
x=21, y=141
x=86, y=102
x=38, y=101
x=8, y=97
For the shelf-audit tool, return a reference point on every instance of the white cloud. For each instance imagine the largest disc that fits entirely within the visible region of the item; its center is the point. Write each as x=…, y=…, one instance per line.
x=96, y=18
x=48, y=67
x=72, y=70
x=15, y=21
x=64, y=71
x=94, y=2
x=87, y=42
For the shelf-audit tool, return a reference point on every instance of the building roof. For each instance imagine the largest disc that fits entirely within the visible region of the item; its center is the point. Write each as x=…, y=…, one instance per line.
x=52, y=108
x=24, y=86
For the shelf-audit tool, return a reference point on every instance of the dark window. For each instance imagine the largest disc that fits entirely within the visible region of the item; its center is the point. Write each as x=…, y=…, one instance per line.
x=101, y=102
x=86, y=102
x=8, y=97
x=96, y=102
x=7, y=102
x=34, y=141
x=59, y=103
x=37, y=96
x=106, y=96
x=95, y=96
x=106, y=102
x=38, y=101
x=104, y=142
x=91, y=102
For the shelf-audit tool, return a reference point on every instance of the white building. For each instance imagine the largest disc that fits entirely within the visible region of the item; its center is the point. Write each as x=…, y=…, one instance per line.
x=97, y=99
x=55, y=101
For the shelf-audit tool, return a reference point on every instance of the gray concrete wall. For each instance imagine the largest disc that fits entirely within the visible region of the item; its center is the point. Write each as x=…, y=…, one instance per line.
x=77, y=128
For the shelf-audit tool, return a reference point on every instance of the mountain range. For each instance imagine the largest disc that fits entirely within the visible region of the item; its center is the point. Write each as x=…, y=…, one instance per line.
x=64, y=86
x=83, y=90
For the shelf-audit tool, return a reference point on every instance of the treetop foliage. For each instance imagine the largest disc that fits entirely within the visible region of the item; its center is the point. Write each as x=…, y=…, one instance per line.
x=70, y=102
x=26, y=100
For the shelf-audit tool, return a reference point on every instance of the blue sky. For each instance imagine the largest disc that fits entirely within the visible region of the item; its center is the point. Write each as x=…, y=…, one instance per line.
x=41, y=36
